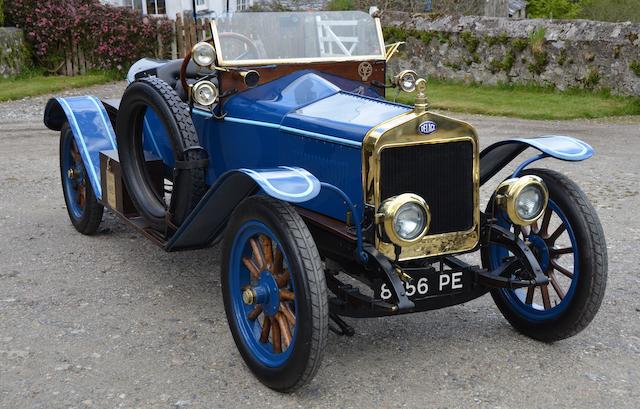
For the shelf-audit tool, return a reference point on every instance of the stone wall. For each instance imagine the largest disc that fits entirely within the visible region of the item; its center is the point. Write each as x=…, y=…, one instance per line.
x=564, y=54
x=495, y=8
x=294, y=4
x=13, y=51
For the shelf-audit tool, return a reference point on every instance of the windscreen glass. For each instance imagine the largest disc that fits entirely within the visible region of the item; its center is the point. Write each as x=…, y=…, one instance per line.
x=342, y=35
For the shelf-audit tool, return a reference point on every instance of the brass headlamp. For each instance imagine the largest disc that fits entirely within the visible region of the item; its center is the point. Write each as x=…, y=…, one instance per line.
x=406, y=218
x=524, y=199
x=406, y=80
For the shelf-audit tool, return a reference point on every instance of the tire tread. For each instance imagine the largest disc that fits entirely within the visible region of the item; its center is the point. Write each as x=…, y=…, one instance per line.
x=577, y=317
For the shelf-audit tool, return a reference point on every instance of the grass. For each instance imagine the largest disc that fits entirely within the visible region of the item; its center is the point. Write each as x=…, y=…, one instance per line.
x=528, y=102
x=34, y=83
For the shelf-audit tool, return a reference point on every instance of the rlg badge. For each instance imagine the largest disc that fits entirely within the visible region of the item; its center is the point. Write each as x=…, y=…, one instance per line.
x=427, y=127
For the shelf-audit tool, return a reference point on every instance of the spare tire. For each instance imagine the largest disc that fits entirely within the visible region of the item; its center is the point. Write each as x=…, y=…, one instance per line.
x=190, y=159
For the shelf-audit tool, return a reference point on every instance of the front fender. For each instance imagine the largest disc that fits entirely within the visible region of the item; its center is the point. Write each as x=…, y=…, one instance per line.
x=208, y=220
x=91, y=127
x=495, y=157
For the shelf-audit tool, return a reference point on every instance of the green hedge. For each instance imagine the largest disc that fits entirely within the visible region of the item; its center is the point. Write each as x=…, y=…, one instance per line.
x=1, y=13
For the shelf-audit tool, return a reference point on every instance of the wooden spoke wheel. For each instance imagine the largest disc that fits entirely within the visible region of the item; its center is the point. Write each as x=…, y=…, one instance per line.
x=270, y=293
x=84, y=210
x=275, y=294
x=569, y=245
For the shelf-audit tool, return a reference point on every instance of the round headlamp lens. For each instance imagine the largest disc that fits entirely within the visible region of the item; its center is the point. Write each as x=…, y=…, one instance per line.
x=530, y=202
x=205, y=93
x=410, y=221
x=408, y=82
x=203, y=54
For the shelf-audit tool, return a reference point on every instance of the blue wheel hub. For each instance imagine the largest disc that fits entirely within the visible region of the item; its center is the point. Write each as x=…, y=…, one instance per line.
x=267, y=294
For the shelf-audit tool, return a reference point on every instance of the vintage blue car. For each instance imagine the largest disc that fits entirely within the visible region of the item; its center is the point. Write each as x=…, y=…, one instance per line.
x=274, y=136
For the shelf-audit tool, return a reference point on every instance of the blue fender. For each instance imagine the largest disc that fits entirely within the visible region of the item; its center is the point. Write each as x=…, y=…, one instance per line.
x=209, y=218
x=91, y=127
x=495, y=157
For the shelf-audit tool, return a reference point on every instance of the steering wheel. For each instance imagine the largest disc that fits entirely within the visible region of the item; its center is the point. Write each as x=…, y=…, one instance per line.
x=247, y=48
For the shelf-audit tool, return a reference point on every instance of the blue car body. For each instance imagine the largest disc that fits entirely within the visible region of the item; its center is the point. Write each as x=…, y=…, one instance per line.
x=307, y=120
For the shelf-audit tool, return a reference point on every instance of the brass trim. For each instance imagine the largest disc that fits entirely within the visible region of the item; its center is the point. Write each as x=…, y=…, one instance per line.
x=397, y=80
x=389, y=209
x=510, y=189
x=392, y=49
x=403, y=131
x=296, y=61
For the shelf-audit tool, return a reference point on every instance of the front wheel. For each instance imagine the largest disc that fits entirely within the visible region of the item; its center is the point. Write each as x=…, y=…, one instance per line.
x=275, y=294
x=569, y=244
x=84, y=210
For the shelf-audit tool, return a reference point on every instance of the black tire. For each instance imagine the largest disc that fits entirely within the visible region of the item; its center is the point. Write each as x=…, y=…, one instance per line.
x=91, y=211
x=592, y=259
x=308, y=277
x=189, y=184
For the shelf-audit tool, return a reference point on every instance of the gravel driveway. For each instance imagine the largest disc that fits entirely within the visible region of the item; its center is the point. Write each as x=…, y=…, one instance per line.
x=112, y=321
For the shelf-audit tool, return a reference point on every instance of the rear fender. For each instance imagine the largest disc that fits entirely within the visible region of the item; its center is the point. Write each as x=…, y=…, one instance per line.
x=208, y=220
x=495, y=157
x=91, y=127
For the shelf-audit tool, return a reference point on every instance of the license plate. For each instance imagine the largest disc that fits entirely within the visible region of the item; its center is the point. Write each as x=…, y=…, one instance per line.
x=427, y=283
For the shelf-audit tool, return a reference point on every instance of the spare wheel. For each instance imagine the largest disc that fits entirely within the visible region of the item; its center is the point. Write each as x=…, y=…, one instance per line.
x=168, y=208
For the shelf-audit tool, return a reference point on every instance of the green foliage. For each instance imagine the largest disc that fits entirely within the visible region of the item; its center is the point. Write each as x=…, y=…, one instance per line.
x=443, y=38
x=537, y=39
x=562, y=58
x=520, y=44
x=1, y=13
x=397, y=34
x=502, y=39
x=558, y=9
x=540, y=56
x=635, y=67
x=338, y=5
x=470, y=41
x=453, y=65
x=592, y=79
x=508, y=61
x=506, y=64
x=539, y=64
x=394, y=34
x=610, y=10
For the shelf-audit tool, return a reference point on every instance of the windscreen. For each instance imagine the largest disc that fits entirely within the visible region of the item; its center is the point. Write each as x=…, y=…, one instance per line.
x=297, y=36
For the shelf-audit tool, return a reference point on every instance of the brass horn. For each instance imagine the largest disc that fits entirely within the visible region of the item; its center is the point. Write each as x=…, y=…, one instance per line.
x=251, y=78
